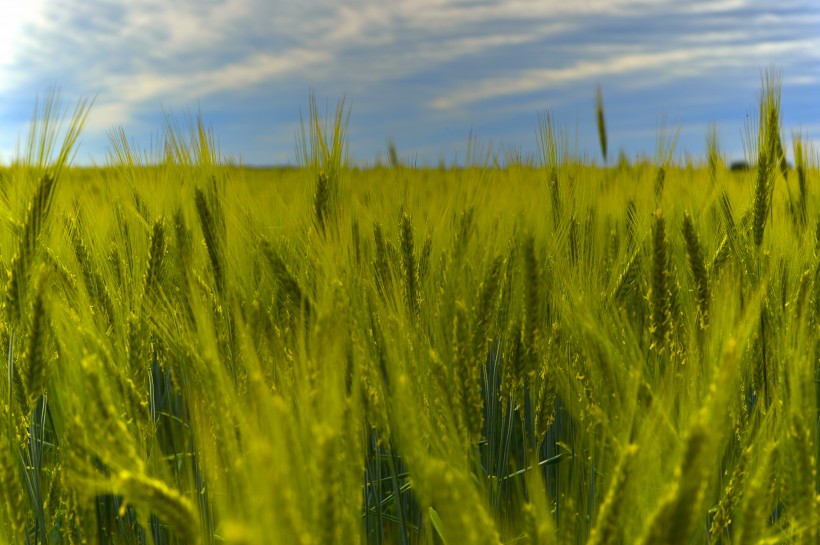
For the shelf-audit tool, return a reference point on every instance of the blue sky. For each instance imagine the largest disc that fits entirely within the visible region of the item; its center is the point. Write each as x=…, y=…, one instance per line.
x=424, y=73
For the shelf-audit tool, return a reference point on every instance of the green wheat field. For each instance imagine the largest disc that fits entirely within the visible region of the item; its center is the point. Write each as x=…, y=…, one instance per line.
x=548, y=352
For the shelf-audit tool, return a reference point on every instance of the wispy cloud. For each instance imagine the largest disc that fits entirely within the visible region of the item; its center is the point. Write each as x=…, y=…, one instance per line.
x=663, y=65
x=698, y=49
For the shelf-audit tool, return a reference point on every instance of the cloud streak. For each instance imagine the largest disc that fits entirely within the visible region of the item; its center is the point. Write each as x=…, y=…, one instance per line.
x=667, y=65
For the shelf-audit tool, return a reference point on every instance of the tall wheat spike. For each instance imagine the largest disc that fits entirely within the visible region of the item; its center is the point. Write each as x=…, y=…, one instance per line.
x=515, y=359
x=424, y=259
x=486, y=306
x=382, y=262
x=408, y=260
x=46, y=125
x=722, y=254
x=607, y=529
x=94, y=284
x=714, y=159
x=156, y=257
x=660, y=182
x=817, y=236
x=761, y=201
x=545, y=403
x=660, y=296
x=12, y=492
x=555, y=198
x=213, y=240
x=572, y=240
x=466, y=227
x=802, y=475
x=483, y=314
x=548, y=146
x=321, y=199
x=324, y=151
x=756, y=505
x=289, y=285
x=631, y=220
x=392, y=154
x=37, y=351
x=677, y=514
x=356, y=241
x=814, y=309
x=769, y=151
x=802, y=298
x=628, y=279
x=599, y=114
x=184, y=253
x=698, y=269
x=532, y=306
x=800, y=164
x=36, y=216
x=732, y=494
x=158, y=498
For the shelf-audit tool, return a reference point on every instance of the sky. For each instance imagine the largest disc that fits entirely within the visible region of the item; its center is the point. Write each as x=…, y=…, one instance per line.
x=427, y=75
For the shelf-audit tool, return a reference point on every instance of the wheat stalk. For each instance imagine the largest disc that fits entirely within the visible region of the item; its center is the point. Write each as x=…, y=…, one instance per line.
x=532, y=307
x=213, y=240
x=409, y=268
x=732, y=494
x=698, y=270
x=608, y=525
x=599, y=115
x=157, y=497
x=36, y=216
x=677, y=513
x=660, y=294
x=156, y=256
x=37, y=353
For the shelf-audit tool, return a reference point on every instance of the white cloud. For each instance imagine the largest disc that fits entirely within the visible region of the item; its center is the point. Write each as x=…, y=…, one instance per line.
x=233, y=76
x=609, y=60
x=15, y=22
x=139, y=50
x=584, y=70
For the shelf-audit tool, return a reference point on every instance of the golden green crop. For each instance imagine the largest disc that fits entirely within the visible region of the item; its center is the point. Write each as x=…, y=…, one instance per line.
x=543, y=353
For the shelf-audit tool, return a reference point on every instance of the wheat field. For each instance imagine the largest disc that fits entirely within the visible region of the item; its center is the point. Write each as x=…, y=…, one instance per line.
x=548, y=352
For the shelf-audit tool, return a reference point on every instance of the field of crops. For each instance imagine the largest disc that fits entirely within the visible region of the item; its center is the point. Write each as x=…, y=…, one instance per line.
x=549, y=352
